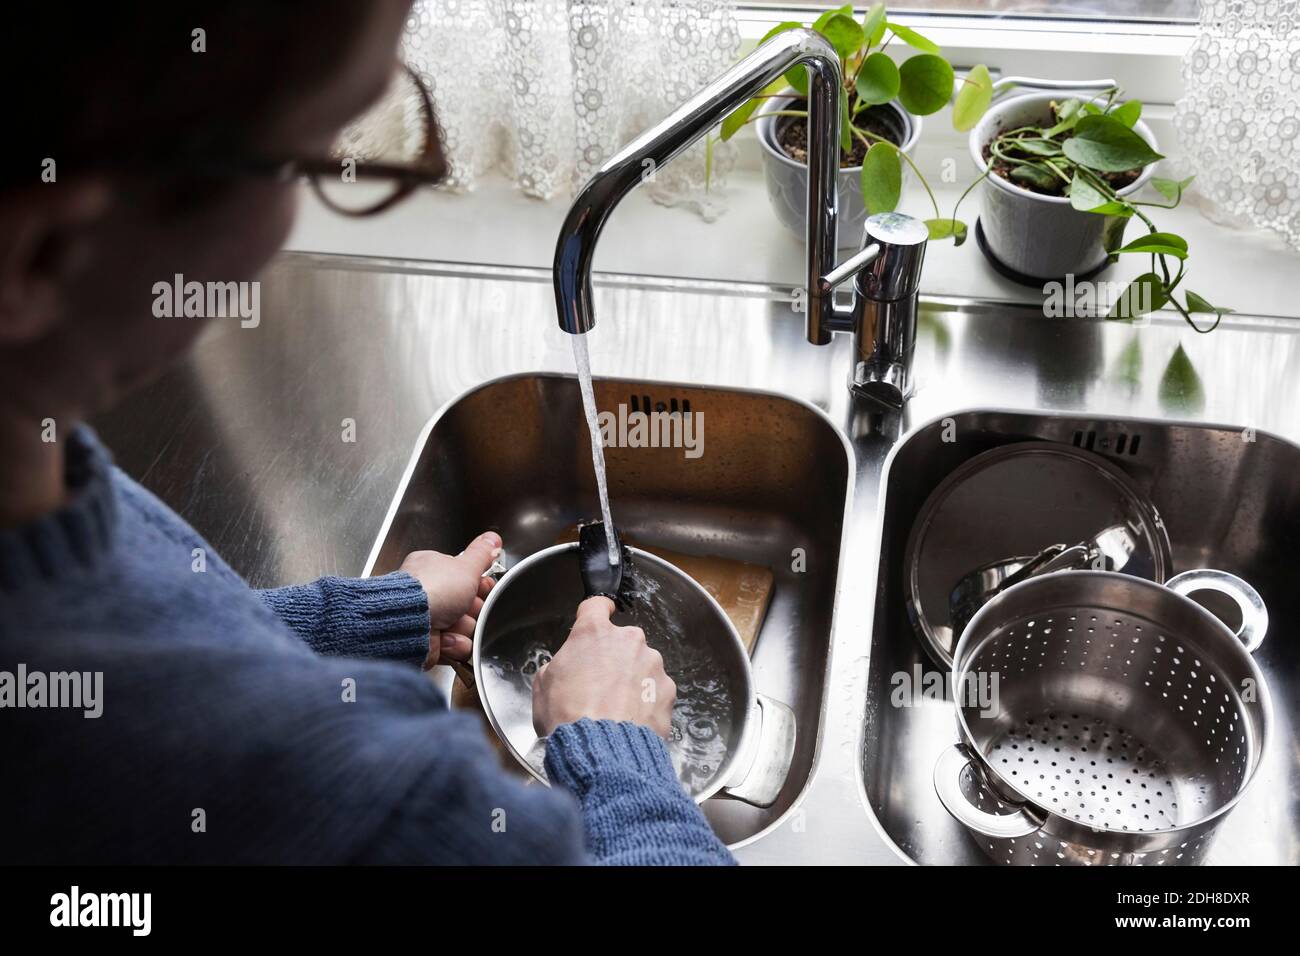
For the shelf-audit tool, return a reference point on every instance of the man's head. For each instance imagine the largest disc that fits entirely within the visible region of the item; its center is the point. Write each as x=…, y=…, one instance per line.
x=123, y=99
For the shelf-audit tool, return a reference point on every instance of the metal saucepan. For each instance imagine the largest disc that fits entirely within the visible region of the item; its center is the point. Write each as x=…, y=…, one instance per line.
x=726, y=738
x=1127, y=720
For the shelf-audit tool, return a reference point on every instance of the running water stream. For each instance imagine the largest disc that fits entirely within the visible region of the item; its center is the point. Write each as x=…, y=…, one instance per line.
x=583, y=362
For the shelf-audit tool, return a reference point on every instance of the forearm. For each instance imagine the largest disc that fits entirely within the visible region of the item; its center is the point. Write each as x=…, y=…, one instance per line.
x=634, y=810
x=385, y=617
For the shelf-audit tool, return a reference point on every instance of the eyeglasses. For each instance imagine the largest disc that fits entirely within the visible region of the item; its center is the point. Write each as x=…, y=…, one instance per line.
x=333, y=180
x=338, y=181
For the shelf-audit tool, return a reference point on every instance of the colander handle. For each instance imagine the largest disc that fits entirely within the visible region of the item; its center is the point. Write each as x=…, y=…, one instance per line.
x=1254, y=615
x=947, y=783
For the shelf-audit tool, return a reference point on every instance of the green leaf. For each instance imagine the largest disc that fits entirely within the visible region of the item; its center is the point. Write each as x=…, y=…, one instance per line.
x=873, y=24
x=1144, y=294
x=1067, y=114
x=1172, y=189
x=821, y=21
x=912, y=38
x=973, y=98
x=1069, y=109
x=882, y=178
x=843, y=32
x=846, y=127
x=877, y=80
x=925, y=84
x=1106, y=144
x=798, y=76
x=781, y=27
x=953, y=229
x=1157, y=244
x=1034, y=176
x=1197, y=304
x=1180, y=387
x=1037, y=147
x=738, y=118
x=1112, y=233
x=1128, y=113
x=1062, y=127
x=1087, y=198
x=741, y=114
x=1128, y=367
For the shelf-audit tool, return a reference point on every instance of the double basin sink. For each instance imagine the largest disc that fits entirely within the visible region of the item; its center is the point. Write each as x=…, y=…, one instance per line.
x=775, y=486
x=243, y=439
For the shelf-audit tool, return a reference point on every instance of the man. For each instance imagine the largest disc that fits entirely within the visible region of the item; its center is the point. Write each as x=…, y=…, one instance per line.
x=290, y=725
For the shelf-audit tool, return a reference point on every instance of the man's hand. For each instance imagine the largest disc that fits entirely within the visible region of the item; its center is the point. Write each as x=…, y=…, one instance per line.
x=603, y=672
x=456, y=589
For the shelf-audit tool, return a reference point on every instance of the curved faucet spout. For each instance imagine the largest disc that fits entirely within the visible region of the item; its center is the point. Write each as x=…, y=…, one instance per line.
x=639, y=159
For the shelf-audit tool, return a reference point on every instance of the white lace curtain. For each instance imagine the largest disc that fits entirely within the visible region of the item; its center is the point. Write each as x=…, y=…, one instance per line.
x=545, y=90
x=1239, y=118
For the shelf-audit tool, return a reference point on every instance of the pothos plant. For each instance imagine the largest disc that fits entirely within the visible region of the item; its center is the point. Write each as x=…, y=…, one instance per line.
x=923, y=84
x=1088, y=154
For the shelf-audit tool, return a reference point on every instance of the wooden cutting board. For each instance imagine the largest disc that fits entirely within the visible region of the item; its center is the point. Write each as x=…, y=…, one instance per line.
x=743, y=590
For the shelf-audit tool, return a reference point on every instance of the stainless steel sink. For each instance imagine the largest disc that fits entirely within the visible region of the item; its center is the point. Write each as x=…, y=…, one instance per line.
x=243, y=439
x=513, y=456
x=1230, y=500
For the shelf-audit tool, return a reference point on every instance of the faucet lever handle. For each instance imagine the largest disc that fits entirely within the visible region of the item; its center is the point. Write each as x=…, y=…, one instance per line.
x=850, y=267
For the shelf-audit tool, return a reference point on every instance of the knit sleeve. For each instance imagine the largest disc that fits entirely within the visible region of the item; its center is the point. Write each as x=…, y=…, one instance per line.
x=385, y=617
x=634, y=810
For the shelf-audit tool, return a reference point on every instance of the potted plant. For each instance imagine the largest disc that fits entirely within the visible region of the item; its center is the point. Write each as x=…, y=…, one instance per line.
x=880, y=106
x=1060, y=182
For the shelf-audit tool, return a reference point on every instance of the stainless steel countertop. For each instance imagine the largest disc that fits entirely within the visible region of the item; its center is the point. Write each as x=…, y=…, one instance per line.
x=245, y=438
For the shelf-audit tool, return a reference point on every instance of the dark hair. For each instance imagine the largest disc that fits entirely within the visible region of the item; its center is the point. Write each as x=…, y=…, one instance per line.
x=121, y=79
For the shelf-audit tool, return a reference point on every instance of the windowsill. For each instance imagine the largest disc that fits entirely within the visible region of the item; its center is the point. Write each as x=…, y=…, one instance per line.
x=1249, y=271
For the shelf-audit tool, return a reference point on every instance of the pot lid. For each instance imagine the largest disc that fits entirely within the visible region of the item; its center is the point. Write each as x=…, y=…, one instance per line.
x=1017, y=501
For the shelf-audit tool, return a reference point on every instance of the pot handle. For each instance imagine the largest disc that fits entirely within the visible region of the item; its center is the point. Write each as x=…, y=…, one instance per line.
x=1254, y=615
x=947, y=783
x=763, y=766
x=464, y=671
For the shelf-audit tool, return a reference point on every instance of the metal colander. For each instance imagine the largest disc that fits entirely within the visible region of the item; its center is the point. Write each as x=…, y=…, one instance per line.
x=1120, y=720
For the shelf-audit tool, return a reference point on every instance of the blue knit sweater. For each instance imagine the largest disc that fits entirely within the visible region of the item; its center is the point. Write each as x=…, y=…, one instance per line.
x=289, y=725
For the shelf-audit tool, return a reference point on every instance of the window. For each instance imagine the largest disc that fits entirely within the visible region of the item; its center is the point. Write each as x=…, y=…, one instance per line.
x=1137, y=43
x=1122, y=10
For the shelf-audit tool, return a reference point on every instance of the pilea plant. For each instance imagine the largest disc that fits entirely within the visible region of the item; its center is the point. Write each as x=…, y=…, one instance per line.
x=1088, y=154
x=923, y=84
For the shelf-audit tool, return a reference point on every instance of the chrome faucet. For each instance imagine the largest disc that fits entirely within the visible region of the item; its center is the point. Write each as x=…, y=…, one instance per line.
x=886, y=272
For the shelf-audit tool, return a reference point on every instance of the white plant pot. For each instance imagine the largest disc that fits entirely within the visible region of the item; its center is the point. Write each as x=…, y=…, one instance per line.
x=1036, y=236
x=787, y=179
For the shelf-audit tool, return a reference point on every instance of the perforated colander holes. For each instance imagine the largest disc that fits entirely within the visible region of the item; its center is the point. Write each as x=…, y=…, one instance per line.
x=1069, y=764
x=1035, y=851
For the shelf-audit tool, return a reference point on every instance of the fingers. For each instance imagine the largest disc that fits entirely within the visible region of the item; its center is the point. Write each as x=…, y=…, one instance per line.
x=482, y=551
x=464, y=626
x=485, y=586
x=595, y=608
x=456, y=647
x=431, y=658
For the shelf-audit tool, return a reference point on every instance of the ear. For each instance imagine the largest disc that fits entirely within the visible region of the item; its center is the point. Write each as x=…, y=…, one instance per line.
x=41, y=237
